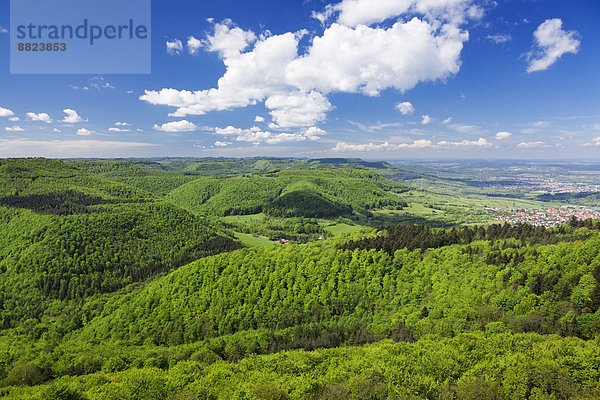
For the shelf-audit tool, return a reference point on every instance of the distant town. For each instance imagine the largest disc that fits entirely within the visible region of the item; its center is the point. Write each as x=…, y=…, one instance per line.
x=547, y=217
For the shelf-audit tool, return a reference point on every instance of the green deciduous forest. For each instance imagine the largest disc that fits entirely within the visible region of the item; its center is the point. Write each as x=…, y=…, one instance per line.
x=123, y=279
x=291, y=193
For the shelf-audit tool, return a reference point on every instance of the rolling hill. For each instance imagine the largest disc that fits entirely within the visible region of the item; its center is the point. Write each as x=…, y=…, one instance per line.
x=119, y=281
x=495, y=290
x=291, y=193
x=69, y=235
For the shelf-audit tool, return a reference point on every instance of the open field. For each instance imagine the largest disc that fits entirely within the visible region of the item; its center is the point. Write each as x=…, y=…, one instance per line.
x=341, y=229
x=253, y=241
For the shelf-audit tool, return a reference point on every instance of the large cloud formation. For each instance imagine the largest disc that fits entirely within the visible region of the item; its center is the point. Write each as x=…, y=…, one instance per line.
x=422, y=42
x=257, y=135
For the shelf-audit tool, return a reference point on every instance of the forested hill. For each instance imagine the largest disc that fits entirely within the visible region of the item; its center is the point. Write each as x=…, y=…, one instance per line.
x=498, y=282
x=139, y=174
x=396, y=237
x=66, y=234
x=228, y=166
x=31, y=177
x=323, y=188
x=498, y=290
x=118, y=280
x=291, y=193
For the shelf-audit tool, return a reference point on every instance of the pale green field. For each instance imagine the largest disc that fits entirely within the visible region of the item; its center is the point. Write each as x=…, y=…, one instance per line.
x=341, y=229
x=251, y=241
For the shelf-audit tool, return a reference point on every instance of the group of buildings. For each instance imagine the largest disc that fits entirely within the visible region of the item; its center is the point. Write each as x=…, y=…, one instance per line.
x=548, y=217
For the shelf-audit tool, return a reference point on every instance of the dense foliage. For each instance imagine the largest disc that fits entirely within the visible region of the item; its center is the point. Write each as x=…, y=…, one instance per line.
x=69, y=235
x=24, y=177
x=396, y=237
x=305, y=203
x=228, y=166
x=151, y=180
x=314, y=193
x=60, y=203
x=81, y=255
x=473, y=366
x=112, y=287
x=546, y=289
x=318, y=296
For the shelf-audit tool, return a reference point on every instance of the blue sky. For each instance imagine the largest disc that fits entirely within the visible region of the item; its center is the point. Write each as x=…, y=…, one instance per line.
x=377, y=79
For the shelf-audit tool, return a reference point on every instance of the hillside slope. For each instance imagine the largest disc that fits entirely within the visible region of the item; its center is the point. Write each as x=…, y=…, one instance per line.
x=498, y=283
x=66, y=234
x=495, y=290
x=35, y=176
x=116, y=283
x=139, y=175
x=291, y=193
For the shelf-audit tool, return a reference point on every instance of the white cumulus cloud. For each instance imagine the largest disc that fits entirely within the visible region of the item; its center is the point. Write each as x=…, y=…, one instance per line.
x=346, y=147
x=218, y=143
x=425, y=119
x=551, y=42
x=314, y=133
x=250, y=77
x=297, y=109
x=5, y=112
x=346, y=57
x=14, y=128
x=405, y=107
x=176, y=126
x=43, y=117
x=257, y=135
x=14, y=119
x=366, y=12
x=231, y=130
x=193, y=45
x=113, y=129
x=481, y=142
x=503, y=135
x=228, y=39
x=417, y=144
x=530, y=145
x=370, y=59
x=84, y=132
x=174, y=47
x=72, y=117
x=258, y=118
